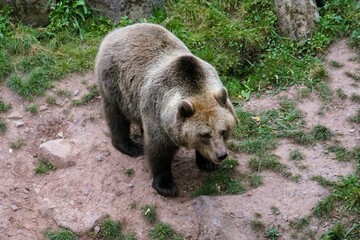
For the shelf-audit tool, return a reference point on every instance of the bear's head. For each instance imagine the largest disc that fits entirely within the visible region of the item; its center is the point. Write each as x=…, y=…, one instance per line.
x=205, y=123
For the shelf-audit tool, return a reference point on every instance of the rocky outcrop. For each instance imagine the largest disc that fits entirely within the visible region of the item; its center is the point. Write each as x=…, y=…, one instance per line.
x=296, y=18
x=34, y=12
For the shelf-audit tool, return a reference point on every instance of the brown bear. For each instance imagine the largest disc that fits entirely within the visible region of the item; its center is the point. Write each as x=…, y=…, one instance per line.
x=148, y=77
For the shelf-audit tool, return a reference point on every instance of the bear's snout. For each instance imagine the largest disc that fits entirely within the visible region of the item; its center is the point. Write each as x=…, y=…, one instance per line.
x=221, y=155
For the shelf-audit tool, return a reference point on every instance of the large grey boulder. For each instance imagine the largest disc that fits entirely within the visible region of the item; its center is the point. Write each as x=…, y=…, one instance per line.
x=296, y=18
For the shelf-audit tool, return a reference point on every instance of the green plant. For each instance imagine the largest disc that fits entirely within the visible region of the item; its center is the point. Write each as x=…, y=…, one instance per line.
x=296, y=155
x=341, y=94
x=275, y=210
x=221, y=182
x=44, y=166
x=356, y=117
x=352, y=75
x=149, y=213
x=340, y=152
x=3, y=126
x=255, y=180
x=162, y=231
x=272, y=233
x=67, y=14
x=336, y=64
x=93, y=93
x=4, y=107
x=323, y=181
x=257, y=225
x=110, y=229
x=355, y=98
x=321, y=133
x=5, y=64
x=133, y=205
x=33, y=108
x=129, y=172
x=61, y=234
x=266, y=161
x=17, y=144
x=300, y=223
x=51, y=100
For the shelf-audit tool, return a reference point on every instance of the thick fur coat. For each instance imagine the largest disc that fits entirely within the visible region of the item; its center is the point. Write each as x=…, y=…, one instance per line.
x=148, y=77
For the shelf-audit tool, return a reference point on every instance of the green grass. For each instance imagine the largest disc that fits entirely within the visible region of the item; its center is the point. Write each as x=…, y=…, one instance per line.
x=355, y=98
x=149, y=213
x=321, y=133
x=32, y=108
x=257, y=226
x=3, y=126
x=51, y=100
x=133, y=205
x=110, y=229
x=341, y=154
x=272, y=233
x=162, y=231
x=341, y=94
x=129, y=172
x=296, y=155
x=336, y=64
x=5, y=65
x=352, y=75
x=88, y=97
x=266, y=161
x=4, y=107
x=323, y=181
x=300, y=223
x=356, y=117
x=62, y=234
x=222, y=181
x=16, y=144
x=44, y=167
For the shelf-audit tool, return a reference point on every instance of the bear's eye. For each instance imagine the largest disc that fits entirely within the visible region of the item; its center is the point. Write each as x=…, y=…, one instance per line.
x=205, y=135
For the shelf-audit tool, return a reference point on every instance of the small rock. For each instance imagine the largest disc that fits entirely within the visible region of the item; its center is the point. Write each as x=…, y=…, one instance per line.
x=107, y=154
x=58, y=152
x=98, y=157
x=86, y=191
x=352, y=130
x=14, y=207
x=42, y=108
x=96, y=229
x=15, y=115
x=76, y=92
x=19, y=123
x=10, y=150
x=60, y=134
x=131, y=185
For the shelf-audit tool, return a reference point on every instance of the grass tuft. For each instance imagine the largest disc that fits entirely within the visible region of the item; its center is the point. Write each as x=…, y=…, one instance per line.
x=62, y=234
x=110, y=229
x=17, y=144
x=266, y=161
x=296, y=155
x=3, y=126
x=356, y=117
x=323, y=181
x=341, y=94
x=162, y=231
x=352, y=75
x=32, y=108
x=355, y=98
x=149, y=213
x=93, y=93
x=44, y=167
x=321, y=133
x=336, y=64
x=221, y=182
x=4, y=107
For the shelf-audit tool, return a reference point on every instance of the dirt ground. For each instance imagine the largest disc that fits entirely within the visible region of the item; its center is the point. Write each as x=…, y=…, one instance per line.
x=76, y=197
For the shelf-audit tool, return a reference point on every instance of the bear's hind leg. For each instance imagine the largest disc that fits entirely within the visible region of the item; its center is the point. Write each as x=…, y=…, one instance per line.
x=120, y=130
x=205, y=164
x=160, y=162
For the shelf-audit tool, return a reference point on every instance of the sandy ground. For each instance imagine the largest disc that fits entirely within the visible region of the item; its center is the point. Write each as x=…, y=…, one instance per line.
x=76, y=197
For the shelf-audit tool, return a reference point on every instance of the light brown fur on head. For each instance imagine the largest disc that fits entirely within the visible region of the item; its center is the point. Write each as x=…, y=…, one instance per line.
x=208, y=128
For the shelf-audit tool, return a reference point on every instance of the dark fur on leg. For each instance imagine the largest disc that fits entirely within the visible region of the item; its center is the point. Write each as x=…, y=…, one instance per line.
x=205, y=164
x=160, y=163
x=120, y=131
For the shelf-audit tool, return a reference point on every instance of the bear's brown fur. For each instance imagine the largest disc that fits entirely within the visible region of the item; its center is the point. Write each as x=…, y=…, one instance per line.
x=148, y=77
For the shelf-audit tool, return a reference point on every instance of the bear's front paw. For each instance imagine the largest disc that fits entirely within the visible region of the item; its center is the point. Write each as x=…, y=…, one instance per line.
x=128, y=147
x=205, y=164
x=165, y=186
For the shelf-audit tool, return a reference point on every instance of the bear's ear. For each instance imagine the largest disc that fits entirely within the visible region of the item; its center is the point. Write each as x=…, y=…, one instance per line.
x=221, y=96
x=185, y=109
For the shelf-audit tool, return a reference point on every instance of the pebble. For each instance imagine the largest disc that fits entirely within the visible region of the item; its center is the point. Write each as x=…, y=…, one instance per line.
x=131, y=185
x=14, y=207
x=76, y=92
x=98, y=157
x=96, y=229
x=19, y=123
x=107, y=154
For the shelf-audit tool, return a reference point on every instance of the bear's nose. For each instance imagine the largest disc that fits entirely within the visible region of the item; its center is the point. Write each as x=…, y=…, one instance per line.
x=222, y=155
